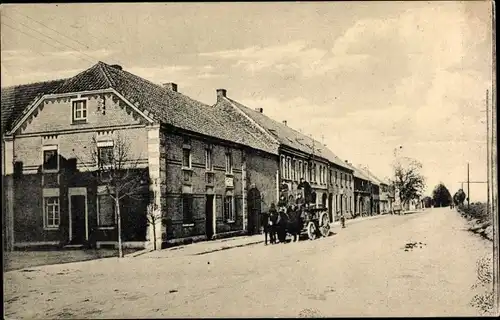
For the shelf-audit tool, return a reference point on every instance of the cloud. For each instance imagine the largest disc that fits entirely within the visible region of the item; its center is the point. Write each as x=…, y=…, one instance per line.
x=294, y=55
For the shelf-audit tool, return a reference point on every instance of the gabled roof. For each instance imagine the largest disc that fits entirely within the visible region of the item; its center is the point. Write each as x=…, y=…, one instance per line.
x=15, y=100
x=372, y=177
x=288, y=136
x=358, y=173
x=242, y=129
x=162, y=105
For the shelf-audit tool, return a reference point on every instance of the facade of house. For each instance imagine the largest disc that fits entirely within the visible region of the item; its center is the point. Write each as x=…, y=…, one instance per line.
x=187, y=158
x=362, y=193
x=386, y=198
x=300, y=157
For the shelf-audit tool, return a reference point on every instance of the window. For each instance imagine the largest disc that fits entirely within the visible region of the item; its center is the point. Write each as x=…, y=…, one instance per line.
x=187, y=209
x=294, y=169
x=105, y=211
x=208, y=160
x=105, y=156
x=229, y=162
x=301, y=170
x=283, y=167
x=51, y=212
x=229, y=208
x=331, y=181
x=306, y=172
x=336, y=181
x=288, y=168
x=186, y=158
x=50, y=158
x=79, y=110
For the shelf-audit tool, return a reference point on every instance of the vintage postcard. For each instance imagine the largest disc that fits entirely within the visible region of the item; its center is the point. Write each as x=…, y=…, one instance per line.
x=249, y=159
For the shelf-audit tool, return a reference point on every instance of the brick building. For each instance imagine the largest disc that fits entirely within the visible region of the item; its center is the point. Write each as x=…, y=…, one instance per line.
x=202, y=169
x=300, y=156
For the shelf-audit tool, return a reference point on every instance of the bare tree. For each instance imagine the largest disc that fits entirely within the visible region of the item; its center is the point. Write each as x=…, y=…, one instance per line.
x=408, y=180
x=120, y=174
x=153, y=216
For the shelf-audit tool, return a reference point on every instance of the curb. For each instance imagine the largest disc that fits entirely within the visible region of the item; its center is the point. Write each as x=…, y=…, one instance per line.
x=139, y=253
x=227, y=248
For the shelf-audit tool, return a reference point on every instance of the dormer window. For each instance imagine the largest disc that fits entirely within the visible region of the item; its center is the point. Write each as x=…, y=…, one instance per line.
x=79, y=108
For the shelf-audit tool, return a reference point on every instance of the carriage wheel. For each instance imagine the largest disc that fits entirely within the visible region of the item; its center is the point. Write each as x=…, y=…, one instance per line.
x=324, y=226
x=311, y=230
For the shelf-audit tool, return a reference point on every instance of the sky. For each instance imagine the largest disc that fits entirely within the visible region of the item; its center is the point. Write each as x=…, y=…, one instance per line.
x=363, y=77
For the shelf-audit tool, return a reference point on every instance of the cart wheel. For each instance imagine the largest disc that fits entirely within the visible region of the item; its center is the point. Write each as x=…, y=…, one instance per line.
x=311, y=230
x=324, y=227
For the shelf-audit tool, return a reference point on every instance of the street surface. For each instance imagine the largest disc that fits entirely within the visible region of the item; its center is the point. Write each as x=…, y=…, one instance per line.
x=362, y=270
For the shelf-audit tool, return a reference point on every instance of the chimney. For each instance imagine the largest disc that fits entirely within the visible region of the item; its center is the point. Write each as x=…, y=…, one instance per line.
x=221, y=93
x=170, y=86
x=116, y=66
x=260, y=110
x=284, y=122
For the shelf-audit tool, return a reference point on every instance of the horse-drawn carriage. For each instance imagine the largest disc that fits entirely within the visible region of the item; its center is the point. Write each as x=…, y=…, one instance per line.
x=298, y=216
x=316, y=223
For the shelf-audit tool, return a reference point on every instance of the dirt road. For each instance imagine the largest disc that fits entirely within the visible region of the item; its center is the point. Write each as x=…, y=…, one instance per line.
x=423, y=264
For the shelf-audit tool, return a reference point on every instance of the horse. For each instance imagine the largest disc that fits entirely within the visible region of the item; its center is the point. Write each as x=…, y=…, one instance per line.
x=270, y=224
x=294, y=223
x=289, y=222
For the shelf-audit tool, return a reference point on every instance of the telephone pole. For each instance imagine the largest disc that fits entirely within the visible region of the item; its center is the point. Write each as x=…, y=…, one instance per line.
x=488, y=209
x=468, y=186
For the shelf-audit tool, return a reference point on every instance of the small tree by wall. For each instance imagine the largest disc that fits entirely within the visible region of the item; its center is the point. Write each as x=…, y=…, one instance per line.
x=154, y=216
x=459, y=197
x=118, y=172
x=408, y=182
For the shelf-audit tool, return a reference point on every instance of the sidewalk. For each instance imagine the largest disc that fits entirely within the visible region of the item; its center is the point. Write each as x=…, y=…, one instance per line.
x=206, y=247
x=203, y=247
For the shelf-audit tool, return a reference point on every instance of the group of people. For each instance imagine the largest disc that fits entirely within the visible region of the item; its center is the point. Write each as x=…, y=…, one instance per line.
x=287, y=218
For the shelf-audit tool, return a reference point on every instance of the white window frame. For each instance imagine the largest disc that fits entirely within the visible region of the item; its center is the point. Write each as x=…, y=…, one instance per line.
x=104, y=144
x=229, y=162
x=289, y=168
x=306, y=171
x=102, y=191
x=209, y=165
x=74, y=118
x=231, y=218
x=301, y=173
x=49, y=193
x=50, y=148
x=190, y=160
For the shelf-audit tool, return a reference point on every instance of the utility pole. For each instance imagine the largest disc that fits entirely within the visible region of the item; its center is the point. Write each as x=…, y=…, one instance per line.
x=488, y=210
x=468, y=187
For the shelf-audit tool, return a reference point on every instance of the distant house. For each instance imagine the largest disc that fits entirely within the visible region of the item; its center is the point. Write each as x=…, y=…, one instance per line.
x=207, y=172
x=362, y=193
x=386, y=199
x=300, y=157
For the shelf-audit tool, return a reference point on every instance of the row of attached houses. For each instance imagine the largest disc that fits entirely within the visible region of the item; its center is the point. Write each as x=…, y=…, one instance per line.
x=211, y=170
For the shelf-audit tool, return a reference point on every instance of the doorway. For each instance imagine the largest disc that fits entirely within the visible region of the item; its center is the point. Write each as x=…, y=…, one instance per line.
x=78, y=216
x=330, y=206
x=209, y=216
x=254, y=211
